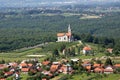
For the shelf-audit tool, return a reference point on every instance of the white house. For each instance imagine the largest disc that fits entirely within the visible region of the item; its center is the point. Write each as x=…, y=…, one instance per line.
x=86, y=50
x=65, y=37
x=108, y=70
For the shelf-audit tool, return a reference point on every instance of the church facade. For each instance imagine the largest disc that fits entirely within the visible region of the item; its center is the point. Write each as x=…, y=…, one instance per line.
x=65, y=37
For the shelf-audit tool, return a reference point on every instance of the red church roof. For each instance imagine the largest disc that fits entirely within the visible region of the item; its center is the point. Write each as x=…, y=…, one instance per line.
x=87, y=48
x=63, y=34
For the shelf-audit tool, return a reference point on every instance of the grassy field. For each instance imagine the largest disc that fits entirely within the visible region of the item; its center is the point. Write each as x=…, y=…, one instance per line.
x=20, y=54
x=90, y=17
x=93, y=76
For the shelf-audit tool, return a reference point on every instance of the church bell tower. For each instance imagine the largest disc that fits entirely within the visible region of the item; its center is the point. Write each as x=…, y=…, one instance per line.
x=69, y=29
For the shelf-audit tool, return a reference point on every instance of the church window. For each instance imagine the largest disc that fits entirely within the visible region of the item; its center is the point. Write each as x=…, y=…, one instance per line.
x=64, y=38
x=59, y=38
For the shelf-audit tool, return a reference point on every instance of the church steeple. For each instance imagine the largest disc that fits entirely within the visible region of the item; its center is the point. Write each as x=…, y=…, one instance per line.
x=69, y=29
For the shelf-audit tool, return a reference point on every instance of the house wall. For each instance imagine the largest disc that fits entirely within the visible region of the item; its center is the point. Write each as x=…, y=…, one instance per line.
x=86, y=51
x=63, y=38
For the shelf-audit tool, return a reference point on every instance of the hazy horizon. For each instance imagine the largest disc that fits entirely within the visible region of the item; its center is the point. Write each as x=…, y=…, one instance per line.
x=34, y=3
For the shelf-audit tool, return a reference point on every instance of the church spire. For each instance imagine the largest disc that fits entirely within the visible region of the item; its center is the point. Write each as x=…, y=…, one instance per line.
x=69, y=29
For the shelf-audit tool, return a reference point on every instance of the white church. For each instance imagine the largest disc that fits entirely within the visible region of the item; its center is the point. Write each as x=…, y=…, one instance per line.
x=65, y=37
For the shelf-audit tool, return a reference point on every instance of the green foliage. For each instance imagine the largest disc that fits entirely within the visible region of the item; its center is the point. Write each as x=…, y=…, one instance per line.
x=63, y=46
x=55, y=53
x=117, y=70
x=116, y=49
x=1, y=74
x=30, y=73
x=24, y=28
x=66, y=77
x=2, y=61
x=108, y=62
x=6, y=69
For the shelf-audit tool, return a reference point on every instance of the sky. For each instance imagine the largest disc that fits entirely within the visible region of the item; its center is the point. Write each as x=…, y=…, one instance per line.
x=23, y=3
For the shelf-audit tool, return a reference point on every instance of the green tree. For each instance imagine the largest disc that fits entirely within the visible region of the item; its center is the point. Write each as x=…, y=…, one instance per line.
x=108, y=62
x=55, y=53
x=1, y=74
x=62, y=47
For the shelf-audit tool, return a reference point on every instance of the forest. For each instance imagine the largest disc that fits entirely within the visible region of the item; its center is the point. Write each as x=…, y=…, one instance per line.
x=25, y=28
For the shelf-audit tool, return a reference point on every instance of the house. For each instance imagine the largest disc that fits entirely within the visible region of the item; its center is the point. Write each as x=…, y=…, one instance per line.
x=30, y=65
x=2, y=66
x=23, y=65
x=25, y=70
x=108, y=70
x=17, y=75
x=54, y=68
x=86, y=50
x=47, y=73
x=65, y=37
x=110, y=50
x=117, y=65
x=66, y=69
x=9, y=73
x=99, y=70
x=75, y=60
x=96, y=65
x=86, y=63
x=46, y=63
x=88, y=68
x=13, y=64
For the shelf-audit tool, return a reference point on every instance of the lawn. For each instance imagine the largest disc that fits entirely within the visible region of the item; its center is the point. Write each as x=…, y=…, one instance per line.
x=94, y=76
x=90, y=17
x=20, y=54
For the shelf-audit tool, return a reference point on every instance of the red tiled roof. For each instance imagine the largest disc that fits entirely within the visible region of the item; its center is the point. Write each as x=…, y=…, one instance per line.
x=46, y=62
x=8, y=73
x=54, y=67
x=63, y=34
x=98, y=69
x=23, y=65
x=3, y=79
x=30, y=64
x=25, y=69
x=117, y=65
x=2, y=66
x=88, y=67
x=96, y=65
x=87, y=48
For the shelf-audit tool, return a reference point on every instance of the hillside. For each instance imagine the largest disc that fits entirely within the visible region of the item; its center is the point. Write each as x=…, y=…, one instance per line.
x=23, y=28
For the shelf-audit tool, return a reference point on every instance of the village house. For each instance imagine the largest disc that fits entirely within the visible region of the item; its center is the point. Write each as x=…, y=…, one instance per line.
x=110, y=50
x=99, y=70
x=108, y=70
x=45, y=62
x=66, y=69
x=25, y=70
x=2, y=66
x=62, y=66
x=13, y=64
x=65, y=37
x=86, y=50
x=117, y=66
x=8, y=73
